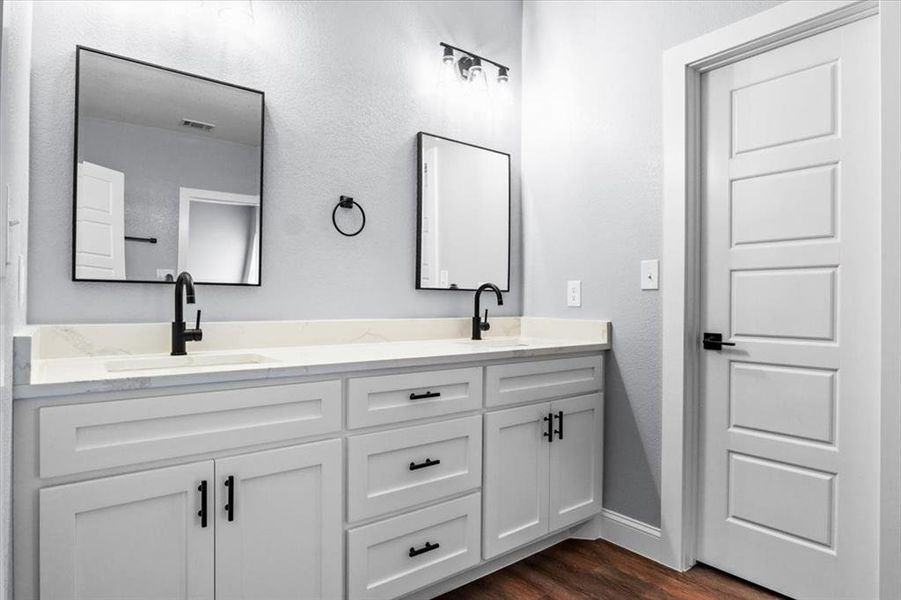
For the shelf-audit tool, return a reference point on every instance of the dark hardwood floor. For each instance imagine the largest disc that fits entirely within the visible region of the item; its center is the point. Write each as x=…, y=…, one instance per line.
x=575, y=569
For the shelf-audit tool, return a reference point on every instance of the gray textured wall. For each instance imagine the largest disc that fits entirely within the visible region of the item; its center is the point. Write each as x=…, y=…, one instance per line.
x=348, y=85
x=592, y=167
x=14, y=86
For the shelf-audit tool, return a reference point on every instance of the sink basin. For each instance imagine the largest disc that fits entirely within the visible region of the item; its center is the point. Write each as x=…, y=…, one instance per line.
x=495, y=343
x=183, y=362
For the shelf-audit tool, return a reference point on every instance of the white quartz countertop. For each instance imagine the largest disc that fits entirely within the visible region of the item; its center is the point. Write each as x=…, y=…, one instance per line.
x=65, y=372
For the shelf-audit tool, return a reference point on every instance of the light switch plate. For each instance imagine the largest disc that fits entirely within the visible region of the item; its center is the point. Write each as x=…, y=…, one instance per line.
x=650, y=274
x=574, y=292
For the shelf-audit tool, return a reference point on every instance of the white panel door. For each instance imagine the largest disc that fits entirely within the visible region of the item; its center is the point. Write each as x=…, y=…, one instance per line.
x=790, y=259
x=134, y=537
x=516, y=477
x=99, y=223
x=278, y=535
x=576, y=459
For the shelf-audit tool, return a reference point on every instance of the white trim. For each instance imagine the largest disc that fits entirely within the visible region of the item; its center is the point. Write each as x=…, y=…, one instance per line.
x=682, y=67
x=890, y=493
x=188, y=195
x=632, y=534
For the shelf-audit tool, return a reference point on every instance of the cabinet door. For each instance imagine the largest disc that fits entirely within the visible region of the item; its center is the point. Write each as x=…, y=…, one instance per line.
x=516, y=478
x=576, y=459
x=135, y=536
x=280, y=535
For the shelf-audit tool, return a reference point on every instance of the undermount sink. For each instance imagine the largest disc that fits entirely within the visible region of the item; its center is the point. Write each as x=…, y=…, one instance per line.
x=495, y=343
x=184, y=362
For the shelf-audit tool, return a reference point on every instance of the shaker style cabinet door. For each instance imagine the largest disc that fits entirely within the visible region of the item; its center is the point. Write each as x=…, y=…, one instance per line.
x=576, y=459
x=142, y=536
x=516, y=477
x=278, y=524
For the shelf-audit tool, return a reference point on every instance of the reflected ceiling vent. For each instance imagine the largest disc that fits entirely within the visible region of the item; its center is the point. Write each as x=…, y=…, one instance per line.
x=197, y=125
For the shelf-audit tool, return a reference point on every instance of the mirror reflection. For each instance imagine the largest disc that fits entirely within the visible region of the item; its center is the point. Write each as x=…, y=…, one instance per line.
x=168, y=175
x=464, y=215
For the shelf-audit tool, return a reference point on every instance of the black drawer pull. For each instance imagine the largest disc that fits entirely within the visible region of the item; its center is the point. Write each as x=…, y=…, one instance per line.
x=230, y=507
x=415, y=396
x=427, y=548
x=428, y=463
x=202, y=512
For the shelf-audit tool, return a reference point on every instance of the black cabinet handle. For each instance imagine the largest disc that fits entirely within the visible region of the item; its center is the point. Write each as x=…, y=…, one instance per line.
x=428, y=463
x=230, y=507
x=559, y=430
x=415, y=396
x=427, y=548
x=202, y=512
x=549, y=434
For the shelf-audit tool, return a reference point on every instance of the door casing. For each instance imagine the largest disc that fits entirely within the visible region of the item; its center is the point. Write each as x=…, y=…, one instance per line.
x=682, y=69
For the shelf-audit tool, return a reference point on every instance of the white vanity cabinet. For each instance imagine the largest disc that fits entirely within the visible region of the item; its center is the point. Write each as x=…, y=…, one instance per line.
x=542, y=469
x=278, y=535
x=131, y=536
x=273, y=532
x=376, y=483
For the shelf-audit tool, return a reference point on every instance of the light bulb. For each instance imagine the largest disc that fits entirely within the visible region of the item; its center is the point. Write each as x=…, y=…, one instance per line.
x=477, y=79
x=448, y=57
x=447, y=77
x=503, y=76
x=475, y=70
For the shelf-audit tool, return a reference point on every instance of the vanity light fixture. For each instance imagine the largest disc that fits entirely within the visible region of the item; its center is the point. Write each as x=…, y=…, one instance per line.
x=469, y=65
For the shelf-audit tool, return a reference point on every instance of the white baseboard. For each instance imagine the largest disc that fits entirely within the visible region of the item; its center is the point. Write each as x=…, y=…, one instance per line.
x=633, y=535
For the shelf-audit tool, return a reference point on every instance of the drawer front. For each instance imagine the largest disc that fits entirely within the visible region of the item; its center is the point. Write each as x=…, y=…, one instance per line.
x=393, y=398
x=443, y=539
x=99, y=435
x=541, y=380
x=396, y=469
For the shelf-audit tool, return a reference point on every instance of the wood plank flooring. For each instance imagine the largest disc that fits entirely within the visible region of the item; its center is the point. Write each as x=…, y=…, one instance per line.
x=576, y=570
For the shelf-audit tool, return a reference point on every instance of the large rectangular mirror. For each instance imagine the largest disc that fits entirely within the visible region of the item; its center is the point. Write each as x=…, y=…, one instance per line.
x=168, y=174
x=464, y=215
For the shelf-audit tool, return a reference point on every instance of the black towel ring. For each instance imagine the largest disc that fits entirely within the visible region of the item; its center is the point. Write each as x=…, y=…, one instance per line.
x=349, y=203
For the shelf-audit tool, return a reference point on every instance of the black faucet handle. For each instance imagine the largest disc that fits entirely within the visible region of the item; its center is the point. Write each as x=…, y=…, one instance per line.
x=485, y=325
x=196, y=334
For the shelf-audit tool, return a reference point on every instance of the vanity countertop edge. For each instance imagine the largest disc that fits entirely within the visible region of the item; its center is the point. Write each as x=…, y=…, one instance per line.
x=532, y=338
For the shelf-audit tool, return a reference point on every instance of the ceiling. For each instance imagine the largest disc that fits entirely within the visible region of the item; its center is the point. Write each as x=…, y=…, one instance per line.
x=121, y=90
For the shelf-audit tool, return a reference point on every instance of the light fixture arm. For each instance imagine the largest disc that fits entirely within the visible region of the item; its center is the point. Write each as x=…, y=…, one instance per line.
x=474, y=55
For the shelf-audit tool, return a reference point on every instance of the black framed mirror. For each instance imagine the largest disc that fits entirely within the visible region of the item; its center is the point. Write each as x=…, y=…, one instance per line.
x=463, y=215
x=168, y=174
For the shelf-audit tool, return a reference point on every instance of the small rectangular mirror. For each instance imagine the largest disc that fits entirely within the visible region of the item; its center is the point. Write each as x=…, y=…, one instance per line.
x=168, y=174
x=463, y=235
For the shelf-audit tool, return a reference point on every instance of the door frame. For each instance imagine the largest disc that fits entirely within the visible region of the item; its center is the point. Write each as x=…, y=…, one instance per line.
x=188, y=195
x=680, y=279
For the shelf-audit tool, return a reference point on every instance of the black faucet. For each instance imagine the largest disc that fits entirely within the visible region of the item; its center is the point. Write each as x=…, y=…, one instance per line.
x=184, y=286
x=478, y=326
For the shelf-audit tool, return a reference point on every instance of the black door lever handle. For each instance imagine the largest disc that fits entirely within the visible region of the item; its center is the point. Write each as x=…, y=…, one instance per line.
x=714, y=341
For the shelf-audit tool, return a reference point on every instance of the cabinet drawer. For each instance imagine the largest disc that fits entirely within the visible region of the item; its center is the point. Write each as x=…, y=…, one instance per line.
x=98, y=435
x=443, y=539
x=393, y=398
x=397, y=469
x=541, y=380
